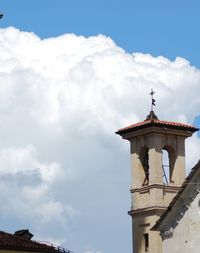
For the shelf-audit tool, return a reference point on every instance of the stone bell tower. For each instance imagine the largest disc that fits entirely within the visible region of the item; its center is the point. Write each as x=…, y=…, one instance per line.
x=154, y=181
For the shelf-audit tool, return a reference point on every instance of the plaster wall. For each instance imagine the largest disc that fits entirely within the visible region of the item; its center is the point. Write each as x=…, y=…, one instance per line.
x=186, y=236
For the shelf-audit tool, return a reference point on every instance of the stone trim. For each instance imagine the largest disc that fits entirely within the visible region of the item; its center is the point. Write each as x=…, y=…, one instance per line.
x=146, y=188
x=144, y=225
x=148, y=211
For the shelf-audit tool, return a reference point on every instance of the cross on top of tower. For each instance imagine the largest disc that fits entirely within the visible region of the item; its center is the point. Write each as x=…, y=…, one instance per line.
x=152, y=115
x=152, y=99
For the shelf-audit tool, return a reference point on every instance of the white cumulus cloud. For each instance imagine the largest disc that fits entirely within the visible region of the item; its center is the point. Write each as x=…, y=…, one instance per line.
x=63, y=171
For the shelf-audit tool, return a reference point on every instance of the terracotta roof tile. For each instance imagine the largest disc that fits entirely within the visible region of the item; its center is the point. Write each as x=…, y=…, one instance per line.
x=158, y=123
x=14, y=242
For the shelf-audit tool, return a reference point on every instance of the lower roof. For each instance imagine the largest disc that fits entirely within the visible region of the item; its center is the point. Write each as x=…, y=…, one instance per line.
x=14, y=242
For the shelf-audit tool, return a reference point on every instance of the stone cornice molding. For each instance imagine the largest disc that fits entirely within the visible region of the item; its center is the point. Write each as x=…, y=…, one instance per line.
x=147, y=211
x=167, y=188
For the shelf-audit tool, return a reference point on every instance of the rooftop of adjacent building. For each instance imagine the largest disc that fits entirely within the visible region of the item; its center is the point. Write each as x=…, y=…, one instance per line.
x=21, y=240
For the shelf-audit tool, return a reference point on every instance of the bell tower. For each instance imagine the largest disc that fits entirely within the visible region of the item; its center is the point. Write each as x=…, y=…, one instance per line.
x=157, y=171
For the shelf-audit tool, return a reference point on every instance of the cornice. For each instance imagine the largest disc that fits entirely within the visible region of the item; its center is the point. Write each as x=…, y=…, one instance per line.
x=147, y=211
x=166, y=188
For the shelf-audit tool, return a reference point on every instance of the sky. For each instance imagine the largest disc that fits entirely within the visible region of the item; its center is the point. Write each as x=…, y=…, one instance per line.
x=71, y=74
x=167, y=28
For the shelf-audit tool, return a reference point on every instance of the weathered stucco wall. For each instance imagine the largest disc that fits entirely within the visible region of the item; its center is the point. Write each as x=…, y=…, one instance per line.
x=186, y=236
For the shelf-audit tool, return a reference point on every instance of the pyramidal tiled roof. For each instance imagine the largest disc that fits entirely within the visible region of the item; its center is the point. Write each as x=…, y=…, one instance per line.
x=152, y=120
x=15, y=242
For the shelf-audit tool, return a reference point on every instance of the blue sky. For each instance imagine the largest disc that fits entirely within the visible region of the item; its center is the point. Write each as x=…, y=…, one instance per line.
x=168, y=28
x=64, y=171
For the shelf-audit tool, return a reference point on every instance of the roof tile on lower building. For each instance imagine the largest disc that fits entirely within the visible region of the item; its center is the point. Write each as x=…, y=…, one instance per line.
x=14, y=242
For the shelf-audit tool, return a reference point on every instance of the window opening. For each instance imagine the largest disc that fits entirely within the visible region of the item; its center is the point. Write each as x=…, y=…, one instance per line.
x=165, y=166
x=146, y=242
x=144, y=158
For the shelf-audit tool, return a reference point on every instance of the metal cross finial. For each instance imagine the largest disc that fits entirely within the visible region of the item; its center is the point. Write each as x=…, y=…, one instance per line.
x=152, y=99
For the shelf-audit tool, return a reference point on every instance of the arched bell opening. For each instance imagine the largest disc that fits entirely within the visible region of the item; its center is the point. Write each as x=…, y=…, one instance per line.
x=144, y=159
x=168, y=162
